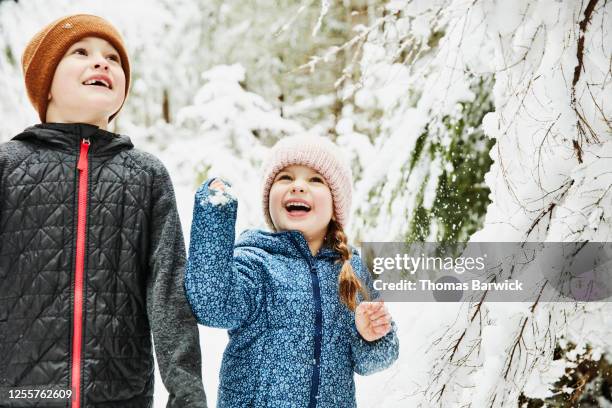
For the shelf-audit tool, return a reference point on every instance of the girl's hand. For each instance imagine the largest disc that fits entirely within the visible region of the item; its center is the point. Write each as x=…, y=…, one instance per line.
x=220, y=193
x=372, y=320
x=217, y=185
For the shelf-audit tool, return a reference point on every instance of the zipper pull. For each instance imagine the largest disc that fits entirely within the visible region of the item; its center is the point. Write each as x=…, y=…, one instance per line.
x=82, y=164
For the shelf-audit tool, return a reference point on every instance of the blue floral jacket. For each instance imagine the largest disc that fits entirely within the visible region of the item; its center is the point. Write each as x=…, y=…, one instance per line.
x=292, y=343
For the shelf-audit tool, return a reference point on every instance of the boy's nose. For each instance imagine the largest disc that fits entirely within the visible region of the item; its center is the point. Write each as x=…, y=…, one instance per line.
x=100, y=65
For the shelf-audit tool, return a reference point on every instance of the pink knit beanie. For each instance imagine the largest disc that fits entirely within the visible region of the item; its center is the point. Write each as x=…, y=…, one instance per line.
x=320, y=154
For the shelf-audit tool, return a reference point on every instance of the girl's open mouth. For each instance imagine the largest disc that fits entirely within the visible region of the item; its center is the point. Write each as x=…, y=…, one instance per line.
x=297, y=208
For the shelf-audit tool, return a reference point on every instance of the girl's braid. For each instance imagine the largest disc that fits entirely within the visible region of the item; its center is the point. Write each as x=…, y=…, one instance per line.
x=348, y=282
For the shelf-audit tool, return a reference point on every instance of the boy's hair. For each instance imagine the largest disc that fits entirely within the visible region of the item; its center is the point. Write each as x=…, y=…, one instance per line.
x=47, y=48
x=348, y=282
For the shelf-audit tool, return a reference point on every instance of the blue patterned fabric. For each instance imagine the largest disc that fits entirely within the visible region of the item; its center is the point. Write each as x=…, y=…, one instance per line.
x=282, y=309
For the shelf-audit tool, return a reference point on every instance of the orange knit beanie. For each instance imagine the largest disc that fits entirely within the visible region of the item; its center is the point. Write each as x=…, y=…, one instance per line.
x=46, y=49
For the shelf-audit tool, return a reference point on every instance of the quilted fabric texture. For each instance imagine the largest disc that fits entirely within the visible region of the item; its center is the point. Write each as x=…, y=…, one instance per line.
x=133, y=271
x=291, y=342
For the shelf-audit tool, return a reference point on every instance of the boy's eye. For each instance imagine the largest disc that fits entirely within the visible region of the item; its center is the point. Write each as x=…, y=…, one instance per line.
x=113, y=57
x=80, y=51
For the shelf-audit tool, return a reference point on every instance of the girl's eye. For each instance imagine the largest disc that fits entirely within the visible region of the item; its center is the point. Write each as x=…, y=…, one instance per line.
x=80, y=51
x=316, y=179
x=284, y=177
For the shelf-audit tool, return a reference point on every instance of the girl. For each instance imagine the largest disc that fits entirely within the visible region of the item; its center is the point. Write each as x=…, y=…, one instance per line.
x=297, y=327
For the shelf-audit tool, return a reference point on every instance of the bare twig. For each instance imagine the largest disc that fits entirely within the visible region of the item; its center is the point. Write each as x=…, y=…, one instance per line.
x=580, y=50
x=581, y=123
x=549, y=209
x=519, y=338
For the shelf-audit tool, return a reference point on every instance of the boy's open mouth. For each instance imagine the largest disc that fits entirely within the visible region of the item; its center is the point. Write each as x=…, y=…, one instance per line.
x=98, y=82
x=297, y=207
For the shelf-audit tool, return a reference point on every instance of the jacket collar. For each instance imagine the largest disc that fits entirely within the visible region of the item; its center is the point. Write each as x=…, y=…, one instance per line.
x=288, y=243
x=68, y=136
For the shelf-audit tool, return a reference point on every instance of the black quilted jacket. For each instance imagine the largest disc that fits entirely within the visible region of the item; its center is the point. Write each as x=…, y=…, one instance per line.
x=91, y=267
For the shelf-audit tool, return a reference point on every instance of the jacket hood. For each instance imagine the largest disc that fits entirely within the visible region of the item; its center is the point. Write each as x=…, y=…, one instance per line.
x=67, y=136
x=288, y=243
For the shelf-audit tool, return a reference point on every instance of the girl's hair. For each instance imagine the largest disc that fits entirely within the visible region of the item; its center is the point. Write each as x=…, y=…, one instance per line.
x=348, y=282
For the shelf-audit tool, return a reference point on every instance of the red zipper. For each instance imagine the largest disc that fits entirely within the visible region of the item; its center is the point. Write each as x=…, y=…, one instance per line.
x=77, y=320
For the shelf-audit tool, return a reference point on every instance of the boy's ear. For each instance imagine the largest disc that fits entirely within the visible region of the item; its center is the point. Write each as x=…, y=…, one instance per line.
x=49, y=97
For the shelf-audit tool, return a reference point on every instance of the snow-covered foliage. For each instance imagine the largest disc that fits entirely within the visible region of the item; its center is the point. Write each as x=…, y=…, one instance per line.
x=549, y=181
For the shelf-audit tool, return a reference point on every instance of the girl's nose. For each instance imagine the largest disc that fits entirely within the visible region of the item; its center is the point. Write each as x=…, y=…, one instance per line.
x=297, y=188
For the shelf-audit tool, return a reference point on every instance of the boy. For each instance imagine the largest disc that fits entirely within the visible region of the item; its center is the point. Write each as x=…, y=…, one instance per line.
x=91, y=249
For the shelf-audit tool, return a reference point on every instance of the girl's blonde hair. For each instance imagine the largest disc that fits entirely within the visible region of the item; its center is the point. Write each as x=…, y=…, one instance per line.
x=348, y=282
